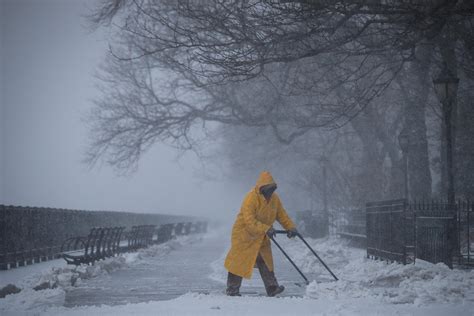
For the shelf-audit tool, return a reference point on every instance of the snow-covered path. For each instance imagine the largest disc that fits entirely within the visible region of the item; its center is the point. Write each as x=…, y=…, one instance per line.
x=154, y=274
x=186, y=277
x=194, y=265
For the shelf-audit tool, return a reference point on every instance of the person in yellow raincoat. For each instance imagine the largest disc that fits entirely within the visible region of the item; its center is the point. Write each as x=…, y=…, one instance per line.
x=250, y=244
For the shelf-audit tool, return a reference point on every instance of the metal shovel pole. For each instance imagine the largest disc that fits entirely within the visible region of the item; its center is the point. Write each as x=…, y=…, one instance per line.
x=289, y=259
x=312, y=250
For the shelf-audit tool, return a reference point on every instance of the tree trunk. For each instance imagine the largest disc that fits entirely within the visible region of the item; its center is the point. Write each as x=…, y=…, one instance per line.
x=419, y=174
x=447, y=48
x=371, y=179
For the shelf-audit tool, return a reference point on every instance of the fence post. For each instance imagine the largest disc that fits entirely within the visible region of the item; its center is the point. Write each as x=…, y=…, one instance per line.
x=458, y=241
x=390, y=246
x=468, y=208
x=404, y=218
x=367, y=230
x=415, y=239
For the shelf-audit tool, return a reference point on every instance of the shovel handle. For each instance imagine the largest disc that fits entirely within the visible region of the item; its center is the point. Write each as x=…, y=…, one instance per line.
x=316, y=255
x=291, y=261
x=312, y=250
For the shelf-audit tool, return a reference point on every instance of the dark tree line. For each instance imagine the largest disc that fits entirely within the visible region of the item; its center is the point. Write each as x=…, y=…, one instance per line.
x=351, y=73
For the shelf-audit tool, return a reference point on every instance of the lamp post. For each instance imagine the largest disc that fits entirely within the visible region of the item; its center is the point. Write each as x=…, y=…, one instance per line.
x=446, y=85
x=404, y=142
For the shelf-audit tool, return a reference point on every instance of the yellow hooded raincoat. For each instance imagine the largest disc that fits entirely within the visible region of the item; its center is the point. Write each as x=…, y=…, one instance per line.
x=249, y=237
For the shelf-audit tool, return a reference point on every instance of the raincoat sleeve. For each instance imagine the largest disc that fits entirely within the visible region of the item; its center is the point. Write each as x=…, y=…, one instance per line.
x=249, y=208
x=283, y=218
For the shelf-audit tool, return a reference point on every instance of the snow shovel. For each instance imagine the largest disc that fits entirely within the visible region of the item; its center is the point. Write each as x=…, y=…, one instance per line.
x=307, y=245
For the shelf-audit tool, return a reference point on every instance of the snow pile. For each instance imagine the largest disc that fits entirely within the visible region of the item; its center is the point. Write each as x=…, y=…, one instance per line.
x=29, y=300
x=420, y=284
x=334, y=251
x=16, y=276
x=55, y=281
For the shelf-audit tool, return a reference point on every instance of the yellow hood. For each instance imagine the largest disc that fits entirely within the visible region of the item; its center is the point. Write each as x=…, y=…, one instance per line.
x=264, y=179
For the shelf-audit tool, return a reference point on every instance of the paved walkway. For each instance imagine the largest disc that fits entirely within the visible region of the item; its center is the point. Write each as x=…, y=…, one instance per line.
x=186, y=269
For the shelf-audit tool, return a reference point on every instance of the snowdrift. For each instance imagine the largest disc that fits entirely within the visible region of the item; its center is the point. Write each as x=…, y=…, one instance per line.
x=420, y=284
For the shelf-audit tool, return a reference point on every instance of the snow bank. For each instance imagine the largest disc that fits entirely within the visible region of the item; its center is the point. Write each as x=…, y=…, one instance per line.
x=57, y=279
x=15, y=276
x=420, y=284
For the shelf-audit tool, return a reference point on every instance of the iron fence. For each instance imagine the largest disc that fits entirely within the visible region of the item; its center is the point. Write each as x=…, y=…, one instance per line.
x=434, y=231
x=465, y=229
x=388, y=231
x=33, y=234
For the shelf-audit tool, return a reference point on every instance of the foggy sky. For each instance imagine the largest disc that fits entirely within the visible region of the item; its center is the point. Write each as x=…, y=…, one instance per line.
x=48, y=59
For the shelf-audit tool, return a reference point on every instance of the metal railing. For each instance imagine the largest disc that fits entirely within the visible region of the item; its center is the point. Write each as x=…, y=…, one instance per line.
x=30, y=235
x=465, y=229
x=434, y=231
x=388, y=231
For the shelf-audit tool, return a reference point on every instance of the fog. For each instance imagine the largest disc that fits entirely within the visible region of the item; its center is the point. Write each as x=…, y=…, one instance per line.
x=362, y=111
x=329, y=123
x=48, y=61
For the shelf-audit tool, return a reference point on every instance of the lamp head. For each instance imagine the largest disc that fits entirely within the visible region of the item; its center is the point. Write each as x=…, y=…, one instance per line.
x=446, y=85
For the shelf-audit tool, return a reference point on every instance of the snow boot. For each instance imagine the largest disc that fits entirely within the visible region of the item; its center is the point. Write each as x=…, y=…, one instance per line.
x=274, y=290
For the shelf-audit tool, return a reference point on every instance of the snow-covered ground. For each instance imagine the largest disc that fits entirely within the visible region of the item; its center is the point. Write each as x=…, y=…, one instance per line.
x=366, y=287
x=60, y=277
x=420, y=284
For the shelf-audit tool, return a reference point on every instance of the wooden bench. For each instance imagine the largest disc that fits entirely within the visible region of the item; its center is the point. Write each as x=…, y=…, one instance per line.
x=187, y=228
x=164, y=233
x=178, y=229
x=141, y=236
x=102, y=242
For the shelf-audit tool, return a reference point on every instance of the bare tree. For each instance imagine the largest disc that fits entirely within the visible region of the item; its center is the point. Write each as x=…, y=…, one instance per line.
x=291, y=66
x=236, y=40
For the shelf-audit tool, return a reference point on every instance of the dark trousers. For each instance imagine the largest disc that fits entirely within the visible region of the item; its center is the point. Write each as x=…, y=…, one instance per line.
x=234, y=281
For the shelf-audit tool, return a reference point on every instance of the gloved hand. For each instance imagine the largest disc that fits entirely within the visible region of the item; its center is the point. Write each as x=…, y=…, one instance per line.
x=271, y=232
x=292, y=233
